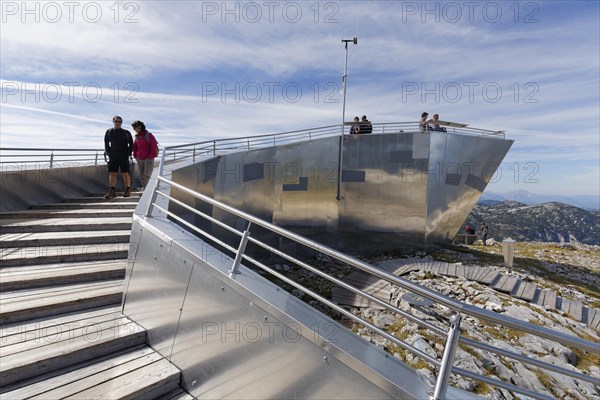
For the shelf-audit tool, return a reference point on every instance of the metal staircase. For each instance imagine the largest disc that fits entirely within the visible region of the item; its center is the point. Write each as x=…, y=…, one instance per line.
x=62, y=333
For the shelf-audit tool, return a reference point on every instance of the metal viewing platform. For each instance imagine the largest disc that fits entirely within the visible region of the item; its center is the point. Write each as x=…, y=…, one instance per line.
x=398, y=187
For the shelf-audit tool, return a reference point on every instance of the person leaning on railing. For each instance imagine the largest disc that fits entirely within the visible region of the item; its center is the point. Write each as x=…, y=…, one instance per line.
x=365, y=125
x=423, y=123
x=355, y=128
x=436, y=126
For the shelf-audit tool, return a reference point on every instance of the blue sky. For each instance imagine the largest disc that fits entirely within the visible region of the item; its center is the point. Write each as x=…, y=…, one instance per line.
x=195, y=70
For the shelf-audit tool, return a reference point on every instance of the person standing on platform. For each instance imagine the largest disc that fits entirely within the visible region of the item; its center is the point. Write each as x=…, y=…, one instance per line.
x=145, y=149
x=423, y=123
x=118, y=146
x=355, y=128
x=436, y=126
x=365, y=125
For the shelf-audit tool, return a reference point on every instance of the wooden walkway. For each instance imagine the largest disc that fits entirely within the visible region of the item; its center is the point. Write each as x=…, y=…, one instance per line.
x=62, y=333
x=508, y=284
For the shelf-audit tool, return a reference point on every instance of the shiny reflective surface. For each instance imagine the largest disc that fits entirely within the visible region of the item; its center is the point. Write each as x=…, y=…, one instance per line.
x=244, y=338
x=233, y=332
x=399, y=191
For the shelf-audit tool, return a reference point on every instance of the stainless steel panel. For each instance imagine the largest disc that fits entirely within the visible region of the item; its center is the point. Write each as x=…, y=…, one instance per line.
x=449, y=204
x=365, y=203
x=258, y=194
x=414, y=192
x=244, y=337
x=317, y=206
x=391, y=201
x=243, y=352
x=156, y=288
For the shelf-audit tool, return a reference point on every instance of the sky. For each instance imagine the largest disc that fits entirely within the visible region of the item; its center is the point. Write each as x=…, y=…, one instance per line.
x=200, y=70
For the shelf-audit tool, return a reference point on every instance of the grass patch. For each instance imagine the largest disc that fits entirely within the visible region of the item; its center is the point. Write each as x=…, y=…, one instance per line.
x=482, y=389
x=470, y=350
x=545, y=380
x=505, y=333
x=420, y=363
x=594, y=304
x=586, y=360
x=445, y=257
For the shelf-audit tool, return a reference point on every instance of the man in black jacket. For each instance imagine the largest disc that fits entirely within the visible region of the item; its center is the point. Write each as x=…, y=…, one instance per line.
x=365, y=125
x=118, y=145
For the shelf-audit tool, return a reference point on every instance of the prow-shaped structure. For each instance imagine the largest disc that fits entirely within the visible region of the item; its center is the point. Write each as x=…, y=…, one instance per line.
x=397, y=188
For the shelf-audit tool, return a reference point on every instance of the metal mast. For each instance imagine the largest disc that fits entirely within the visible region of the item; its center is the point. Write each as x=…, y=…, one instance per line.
x=344, y=82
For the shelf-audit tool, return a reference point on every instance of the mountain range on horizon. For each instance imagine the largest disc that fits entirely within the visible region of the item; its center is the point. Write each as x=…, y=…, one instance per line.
x=547, y=222
x=588, y=202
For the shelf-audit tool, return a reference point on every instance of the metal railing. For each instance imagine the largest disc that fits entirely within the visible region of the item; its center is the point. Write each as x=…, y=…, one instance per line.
x=191, y=151
x=27, y=158
x=452, y=335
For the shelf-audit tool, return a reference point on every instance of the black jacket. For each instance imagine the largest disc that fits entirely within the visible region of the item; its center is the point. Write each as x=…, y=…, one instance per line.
x=118, y=142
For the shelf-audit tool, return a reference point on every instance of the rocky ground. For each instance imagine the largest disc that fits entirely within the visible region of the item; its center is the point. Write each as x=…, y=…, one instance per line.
x=572, y=270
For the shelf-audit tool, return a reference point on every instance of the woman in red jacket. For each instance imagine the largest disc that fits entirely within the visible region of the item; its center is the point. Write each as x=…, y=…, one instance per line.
x=145, y=149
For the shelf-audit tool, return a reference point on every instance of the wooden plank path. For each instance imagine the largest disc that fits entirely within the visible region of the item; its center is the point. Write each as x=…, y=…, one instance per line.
x=492, y=277
x=368, y=283
x=62, y=333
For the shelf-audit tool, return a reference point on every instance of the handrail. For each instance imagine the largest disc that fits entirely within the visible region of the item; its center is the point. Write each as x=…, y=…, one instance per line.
x=23, y=156
x=27, y=157
x=458, y=307
x=223, y=146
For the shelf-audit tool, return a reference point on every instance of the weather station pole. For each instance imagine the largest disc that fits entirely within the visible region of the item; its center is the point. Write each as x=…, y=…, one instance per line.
x=339, y=196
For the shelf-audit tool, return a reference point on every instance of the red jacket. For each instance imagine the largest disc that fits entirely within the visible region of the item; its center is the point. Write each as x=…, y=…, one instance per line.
x=145, y=146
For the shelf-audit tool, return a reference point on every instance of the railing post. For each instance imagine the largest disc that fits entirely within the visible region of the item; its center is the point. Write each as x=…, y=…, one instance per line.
x=194, y=154
x=96, y=160
x=214, y=148
x=51, y=159
x=161, y=168
x=248, y=144
x=441, y=385
x=238, y=256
